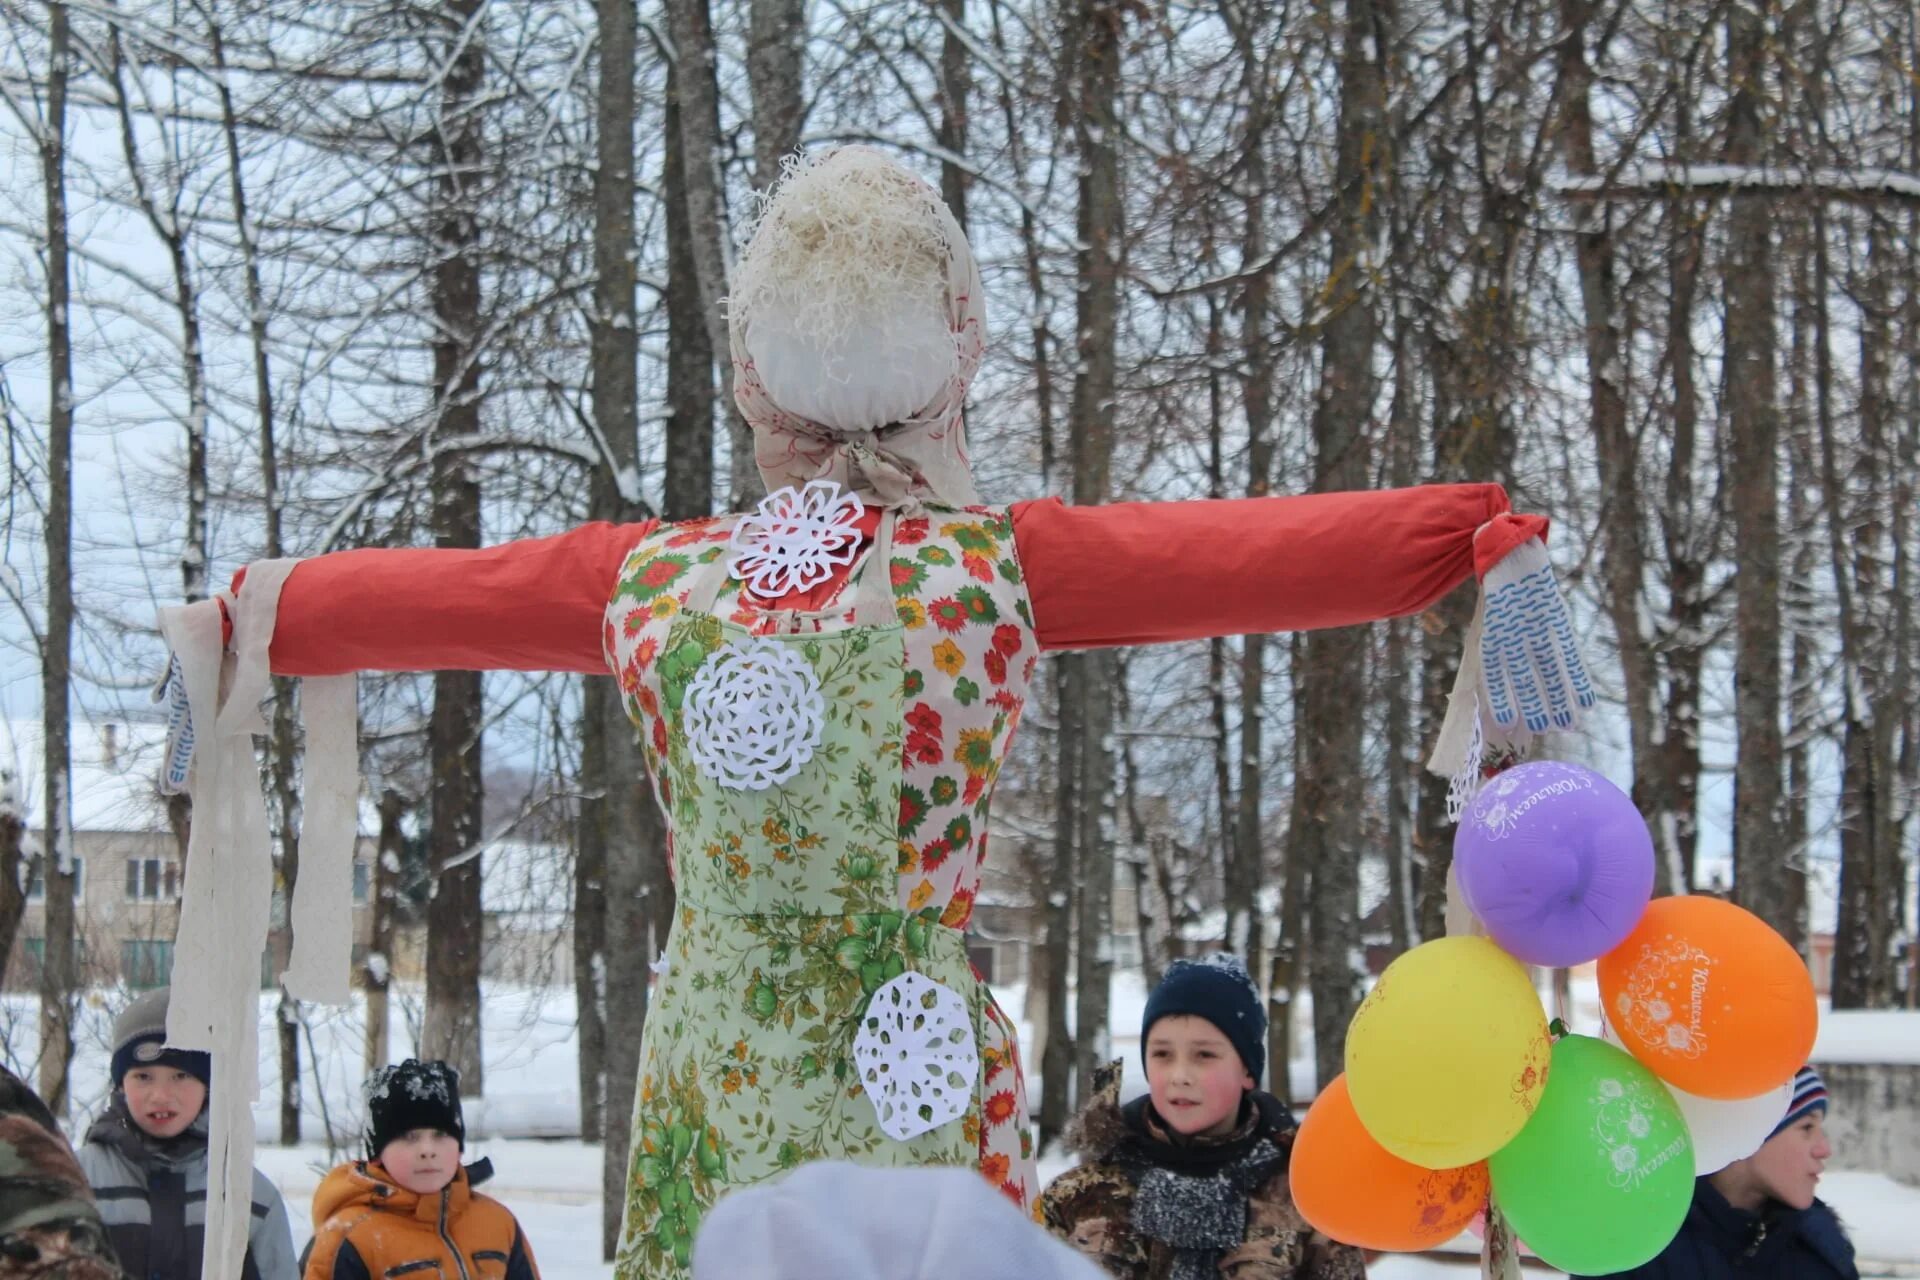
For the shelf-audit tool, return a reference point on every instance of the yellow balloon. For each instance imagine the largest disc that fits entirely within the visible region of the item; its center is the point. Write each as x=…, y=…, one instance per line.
x=1448, y=1056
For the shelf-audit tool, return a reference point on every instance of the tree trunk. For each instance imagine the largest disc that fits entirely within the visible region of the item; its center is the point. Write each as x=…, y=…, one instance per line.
x=955, y=89
x=697, y=92
x=1091, y=676
x=455, y=925
x=1686, y=536
x=1760, y=869
x=614, y=350
x=59, y=976
x=1056, y=1052
x=377, y=975
x=776, y=43
x=1330, y=786
x=1871, y=878
x=13, y=866
x=283, y=742
x=1245, y=869
x=1623, y=562
x=626, y=822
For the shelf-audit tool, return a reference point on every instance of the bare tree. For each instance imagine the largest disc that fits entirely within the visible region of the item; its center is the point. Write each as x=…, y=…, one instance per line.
x=454, y=922
x=1760, y=872
x=59, y=972
x=1329, y=790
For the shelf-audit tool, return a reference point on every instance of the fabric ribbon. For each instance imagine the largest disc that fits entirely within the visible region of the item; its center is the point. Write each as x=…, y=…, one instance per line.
x=229, y=885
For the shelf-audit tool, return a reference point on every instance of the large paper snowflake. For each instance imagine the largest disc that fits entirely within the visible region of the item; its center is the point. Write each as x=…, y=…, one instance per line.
x=795, y=538
x=916, y=1056
x=753, y=714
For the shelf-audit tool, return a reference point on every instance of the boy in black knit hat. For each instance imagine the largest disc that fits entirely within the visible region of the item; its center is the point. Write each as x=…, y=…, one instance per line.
x=411, y=1205
x=146, y=1158
x=1190, y=1182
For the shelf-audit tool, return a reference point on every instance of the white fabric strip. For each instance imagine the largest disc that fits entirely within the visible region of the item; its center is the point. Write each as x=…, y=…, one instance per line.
x=321, y=965
x=229, y=885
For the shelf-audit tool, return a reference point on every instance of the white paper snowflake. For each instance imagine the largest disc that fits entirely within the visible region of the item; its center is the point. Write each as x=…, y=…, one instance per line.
x=753, y=714
x=916, y=1056
x=795, y=538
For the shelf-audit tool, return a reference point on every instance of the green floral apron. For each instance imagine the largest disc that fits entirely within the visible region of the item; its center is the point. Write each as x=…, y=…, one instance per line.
x=788, y=922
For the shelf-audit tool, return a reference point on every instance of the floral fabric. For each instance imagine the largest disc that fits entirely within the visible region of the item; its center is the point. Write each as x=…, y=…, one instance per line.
x=797, y=902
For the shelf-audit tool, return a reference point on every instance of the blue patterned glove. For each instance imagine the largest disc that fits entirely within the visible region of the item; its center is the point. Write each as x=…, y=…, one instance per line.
x=1531, y=661
x=171, y=694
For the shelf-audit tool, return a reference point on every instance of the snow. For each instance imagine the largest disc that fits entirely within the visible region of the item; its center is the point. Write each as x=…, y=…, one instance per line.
x=1868, y=1036
x=528, y=1121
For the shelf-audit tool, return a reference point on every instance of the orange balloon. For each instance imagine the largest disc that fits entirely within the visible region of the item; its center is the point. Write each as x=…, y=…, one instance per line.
x=1709, y=998
x=1353, y=1189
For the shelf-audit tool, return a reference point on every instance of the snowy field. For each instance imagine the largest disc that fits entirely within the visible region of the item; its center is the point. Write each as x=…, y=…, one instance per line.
x=551, y=1181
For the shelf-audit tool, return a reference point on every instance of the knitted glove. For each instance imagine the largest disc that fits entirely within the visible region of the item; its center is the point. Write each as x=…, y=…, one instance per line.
x=1533, y=672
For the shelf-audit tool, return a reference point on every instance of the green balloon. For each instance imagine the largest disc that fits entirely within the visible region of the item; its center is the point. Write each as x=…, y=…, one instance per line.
x=1600, y=1179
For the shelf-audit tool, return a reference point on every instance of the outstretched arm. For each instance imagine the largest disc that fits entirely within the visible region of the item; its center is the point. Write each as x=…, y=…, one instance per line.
x=534, y=605
x=1150, y=572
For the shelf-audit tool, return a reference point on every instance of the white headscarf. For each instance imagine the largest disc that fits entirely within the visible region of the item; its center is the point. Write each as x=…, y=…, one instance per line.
x=856, y=325
x=842, y=1220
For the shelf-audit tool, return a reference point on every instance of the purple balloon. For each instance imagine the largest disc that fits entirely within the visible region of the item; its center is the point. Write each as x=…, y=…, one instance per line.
x=1555, y=861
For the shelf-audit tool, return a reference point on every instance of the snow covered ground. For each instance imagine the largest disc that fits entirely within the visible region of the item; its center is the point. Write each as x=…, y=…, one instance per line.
x=553, y=1183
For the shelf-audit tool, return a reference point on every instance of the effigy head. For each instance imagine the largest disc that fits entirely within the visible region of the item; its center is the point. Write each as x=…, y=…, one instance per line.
x=857, y=324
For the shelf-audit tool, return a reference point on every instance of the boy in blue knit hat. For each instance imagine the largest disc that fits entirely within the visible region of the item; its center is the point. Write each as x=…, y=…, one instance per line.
x=1191, y=1180
x=1759, y=1217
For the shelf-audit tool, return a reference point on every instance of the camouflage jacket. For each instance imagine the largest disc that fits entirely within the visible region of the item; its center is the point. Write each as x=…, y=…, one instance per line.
x=49, y=1226
x=1146, y=1208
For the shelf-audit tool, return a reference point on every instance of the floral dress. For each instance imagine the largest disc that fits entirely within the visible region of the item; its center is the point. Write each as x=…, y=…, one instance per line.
x=798, y=901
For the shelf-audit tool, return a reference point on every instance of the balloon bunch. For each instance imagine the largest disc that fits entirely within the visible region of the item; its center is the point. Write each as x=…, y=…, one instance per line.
x=1457, y=1088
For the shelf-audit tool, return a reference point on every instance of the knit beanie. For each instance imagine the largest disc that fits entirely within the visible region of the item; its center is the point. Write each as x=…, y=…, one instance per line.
x=1215, y=987
x=413, y=1095
x=1809, y=1096
x=832, y=1218
x=140, y=1040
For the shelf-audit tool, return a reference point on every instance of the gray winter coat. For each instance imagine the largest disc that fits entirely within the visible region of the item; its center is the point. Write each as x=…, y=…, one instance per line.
x=153, y=1197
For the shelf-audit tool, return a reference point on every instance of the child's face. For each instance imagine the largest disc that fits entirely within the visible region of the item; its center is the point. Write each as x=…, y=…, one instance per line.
x=163, y=1100
x=1788, y=1166
x=422, y=1160
x=1196, y=1076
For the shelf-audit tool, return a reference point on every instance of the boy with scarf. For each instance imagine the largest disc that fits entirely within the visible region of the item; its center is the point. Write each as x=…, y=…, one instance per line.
x=410, y=1206
x=1190, y=1182
x=146, y=1158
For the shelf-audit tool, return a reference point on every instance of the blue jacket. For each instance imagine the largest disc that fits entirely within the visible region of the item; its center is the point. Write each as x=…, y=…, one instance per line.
x=1720, y=1242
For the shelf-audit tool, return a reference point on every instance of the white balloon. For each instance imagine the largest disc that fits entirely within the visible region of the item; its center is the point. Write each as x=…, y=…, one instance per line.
x=1723, y=1131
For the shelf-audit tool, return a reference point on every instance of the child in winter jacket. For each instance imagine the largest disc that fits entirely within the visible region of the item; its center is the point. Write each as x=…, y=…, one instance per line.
x=146, y=1157
x=49, y=1224
x=1190, y=1182
x=1758, y=1217
x=410, y=1208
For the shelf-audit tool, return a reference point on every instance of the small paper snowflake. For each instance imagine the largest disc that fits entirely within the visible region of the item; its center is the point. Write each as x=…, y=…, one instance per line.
x=794, y=539
x=754, y=714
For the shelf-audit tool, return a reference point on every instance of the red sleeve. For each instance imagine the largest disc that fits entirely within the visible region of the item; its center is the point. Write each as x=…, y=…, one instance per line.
x=1150, y=572
x=534, y=605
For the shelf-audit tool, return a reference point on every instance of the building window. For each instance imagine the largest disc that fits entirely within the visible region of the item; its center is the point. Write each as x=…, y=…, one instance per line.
x=982, y=956
x=37, y=883
x=152, y=880
x=362, y=882
x=145, y=963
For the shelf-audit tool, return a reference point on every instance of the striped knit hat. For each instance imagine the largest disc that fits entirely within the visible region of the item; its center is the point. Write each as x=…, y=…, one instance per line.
x=1809, y=1096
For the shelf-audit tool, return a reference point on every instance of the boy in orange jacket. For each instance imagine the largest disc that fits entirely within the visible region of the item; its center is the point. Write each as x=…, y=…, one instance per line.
x=410, y=1206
